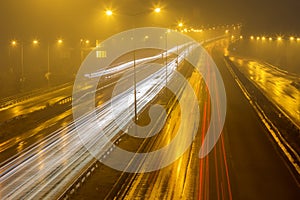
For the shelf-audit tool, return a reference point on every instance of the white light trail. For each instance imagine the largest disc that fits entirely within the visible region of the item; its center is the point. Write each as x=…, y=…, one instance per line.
x=43, y=171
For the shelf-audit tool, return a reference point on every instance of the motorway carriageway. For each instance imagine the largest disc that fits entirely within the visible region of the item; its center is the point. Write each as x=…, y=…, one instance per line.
x=281, y=87
x=46, y=168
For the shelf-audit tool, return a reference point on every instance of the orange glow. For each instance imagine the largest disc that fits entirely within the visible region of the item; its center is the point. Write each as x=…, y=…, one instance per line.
x=108, y=12
x=60, y=41
x=157, y=10
x=180, y=24
x=14, y=43
x=35, y=42
x=279, y=38
x=292, y=38
x=252, y=37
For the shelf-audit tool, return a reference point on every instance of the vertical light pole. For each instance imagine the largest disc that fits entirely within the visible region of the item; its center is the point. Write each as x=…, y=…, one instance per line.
x=48, y=74
x=14, y=44
x=84, y=46
x=35, y=43
x=166, y=58
x=48, y=65
x=134, y=87
x=22, y=64
x=177, y=56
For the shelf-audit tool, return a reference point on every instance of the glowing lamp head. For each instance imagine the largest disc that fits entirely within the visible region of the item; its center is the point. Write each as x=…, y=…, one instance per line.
x=35, y=42
x=157, y=10
x=108, y=12
x=13, y=43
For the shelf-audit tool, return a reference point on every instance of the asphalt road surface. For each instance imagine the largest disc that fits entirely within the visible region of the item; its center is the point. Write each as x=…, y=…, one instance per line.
x=245, y=163
x=48, y=167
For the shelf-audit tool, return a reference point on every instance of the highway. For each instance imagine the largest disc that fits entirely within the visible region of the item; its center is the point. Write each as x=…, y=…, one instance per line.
x=246, y=163
x=41, y=114
x=279, y=86
x=154, y=100
x=54, y=171
x=35, y=102
x=258, y=169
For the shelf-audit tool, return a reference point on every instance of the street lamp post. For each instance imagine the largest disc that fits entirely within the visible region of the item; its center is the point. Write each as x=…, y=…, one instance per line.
x=35, y=42
x=48, y=74
x=48, y=65
x=166, y=59
x=22, y=64
x=134, y=88
x=110, y=13
x=14, y=43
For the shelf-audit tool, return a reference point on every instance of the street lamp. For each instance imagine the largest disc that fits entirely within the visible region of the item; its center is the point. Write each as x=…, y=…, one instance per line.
x=13, y=43
x=157, y=10
x=35, y=42
x=108, y=12
x=47, y=76
x=84, y=47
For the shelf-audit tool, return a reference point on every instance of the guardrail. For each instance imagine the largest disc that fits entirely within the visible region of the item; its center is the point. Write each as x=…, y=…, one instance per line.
x=65, y=101
x=11, y=100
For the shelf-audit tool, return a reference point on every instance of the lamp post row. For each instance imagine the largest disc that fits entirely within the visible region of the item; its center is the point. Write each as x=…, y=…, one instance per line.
x=15, y=43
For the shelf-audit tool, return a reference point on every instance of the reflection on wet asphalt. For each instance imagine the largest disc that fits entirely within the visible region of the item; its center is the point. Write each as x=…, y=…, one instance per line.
x=281, y=87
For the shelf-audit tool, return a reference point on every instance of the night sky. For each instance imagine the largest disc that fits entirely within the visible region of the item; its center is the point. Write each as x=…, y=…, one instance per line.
x=85, y=18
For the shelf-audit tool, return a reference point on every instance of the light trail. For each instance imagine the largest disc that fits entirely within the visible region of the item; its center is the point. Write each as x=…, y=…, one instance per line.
x=43, y=171
x=121, y=67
